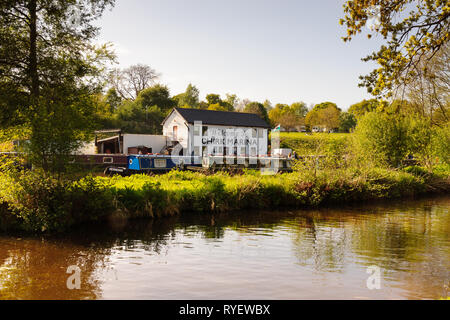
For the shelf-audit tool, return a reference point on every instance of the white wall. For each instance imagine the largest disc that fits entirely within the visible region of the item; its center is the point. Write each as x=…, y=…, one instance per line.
x=175, y=119
x=259, y=142
x=156, y=142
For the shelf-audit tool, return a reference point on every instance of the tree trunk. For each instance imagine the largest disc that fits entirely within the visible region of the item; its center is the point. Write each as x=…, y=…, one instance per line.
x=33, y=72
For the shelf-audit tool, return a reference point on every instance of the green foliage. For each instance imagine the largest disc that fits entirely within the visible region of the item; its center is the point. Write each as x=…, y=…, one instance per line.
x=325, y=114
x=441, y=143
x=216, y=103
x=213, y=98
x=45, y=203
x=361, y=108
x=257, y=108
x=157, y=95
x=113, y=100
x=145, y=114
x=189, y=98
x=347, y=122
x=315, y=143
x=287, y=116
x=416, y=170
x=132, y=117
x=388, y=138
x=36, y=202
x=382, y=139
x=58, y=126
x=325, y=105
x=217, y=107
x=413, y=29
x=49, y=70
x=420, y=138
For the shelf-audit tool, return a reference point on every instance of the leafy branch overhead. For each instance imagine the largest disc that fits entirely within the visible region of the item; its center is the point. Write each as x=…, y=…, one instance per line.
x=415, y=31
x=49, y=68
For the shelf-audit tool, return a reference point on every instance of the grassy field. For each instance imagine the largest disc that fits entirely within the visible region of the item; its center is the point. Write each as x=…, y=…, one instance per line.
x=315, y=143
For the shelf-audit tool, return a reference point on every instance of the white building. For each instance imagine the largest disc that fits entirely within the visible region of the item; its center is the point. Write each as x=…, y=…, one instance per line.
x=205, y=132
x=127, y=143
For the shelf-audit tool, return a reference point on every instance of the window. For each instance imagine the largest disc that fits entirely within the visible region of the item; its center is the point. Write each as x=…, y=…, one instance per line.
x=175, y=132
x=253, y=151
x=260, y=133
x=196, y=151
x=204, y=129
x=196, y=130
x=253, y=133
x=217, y=150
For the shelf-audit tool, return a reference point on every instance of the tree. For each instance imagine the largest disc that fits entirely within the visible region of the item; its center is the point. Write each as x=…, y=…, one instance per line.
x=441, y=142
x=49, y=71
x=325, y=114
x=329, y=117
x=213, y=98
x=145, y=114
x=203, y=105
x=347, y=122
x=257, y=108
x=411, y=37
x=300, y=109
x=217, y=107
x=289, y=120
x=232, y=100
x=129, y=82
x=429, y=92
x=325, y=105
x=361, y=108
x=157, y=95
x=268, y=105
x=275, y=115
x=289, y=117
x=382, y=138
x=312, y=119
x=281, y=106
x=133, y=117
x=113, y=99
x=189, y=98
x=216, y=103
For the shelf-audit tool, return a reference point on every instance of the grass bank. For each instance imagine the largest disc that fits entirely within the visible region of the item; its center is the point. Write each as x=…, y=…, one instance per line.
x=315, y=143
x=31, y=202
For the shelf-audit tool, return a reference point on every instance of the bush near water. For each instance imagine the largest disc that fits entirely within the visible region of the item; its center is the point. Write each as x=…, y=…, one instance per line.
x=31, y=202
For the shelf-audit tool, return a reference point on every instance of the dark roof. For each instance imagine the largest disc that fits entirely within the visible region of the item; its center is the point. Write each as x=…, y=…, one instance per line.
x=224, y=118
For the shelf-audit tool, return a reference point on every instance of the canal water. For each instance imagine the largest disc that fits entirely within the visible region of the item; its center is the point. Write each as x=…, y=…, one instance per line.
x=386, y=250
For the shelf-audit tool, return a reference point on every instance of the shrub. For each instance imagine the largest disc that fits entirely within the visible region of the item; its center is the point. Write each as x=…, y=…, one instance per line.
x=441, y=143
x=382, y=139
x=36, y=202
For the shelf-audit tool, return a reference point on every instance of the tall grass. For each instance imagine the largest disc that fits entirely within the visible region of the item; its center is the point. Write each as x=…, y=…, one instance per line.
x=33, y=203
x=312, y=143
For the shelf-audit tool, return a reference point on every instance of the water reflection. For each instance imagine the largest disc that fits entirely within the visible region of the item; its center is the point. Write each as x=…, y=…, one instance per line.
x=275, y=255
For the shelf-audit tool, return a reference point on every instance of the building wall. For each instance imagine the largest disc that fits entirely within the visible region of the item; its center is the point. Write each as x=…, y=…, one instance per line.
x=175, y=119
x=156, y=142
x=213, y=139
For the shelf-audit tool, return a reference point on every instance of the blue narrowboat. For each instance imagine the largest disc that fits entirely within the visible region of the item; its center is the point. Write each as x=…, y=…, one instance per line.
x=160, y=162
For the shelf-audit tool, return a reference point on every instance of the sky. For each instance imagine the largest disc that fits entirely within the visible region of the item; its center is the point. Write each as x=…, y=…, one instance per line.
x=281, y=50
